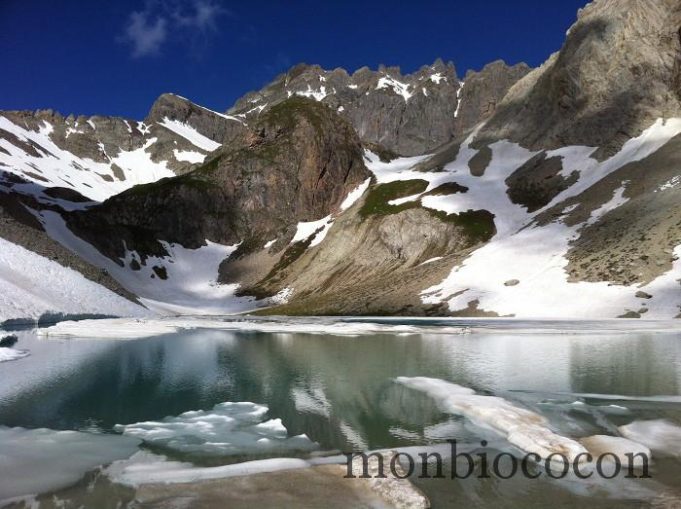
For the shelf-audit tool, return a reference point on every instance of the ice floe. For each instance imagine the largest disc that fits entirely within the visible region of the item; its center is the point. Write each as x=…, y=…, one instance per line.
x=627, y=452
x=147, y=468
x=227, y=429
x=12, y=354
x=523, y=428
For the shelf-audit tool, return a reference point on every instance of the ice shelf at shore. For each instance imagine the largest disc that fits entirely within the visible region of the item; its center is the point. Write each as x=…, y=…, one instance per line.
x=121, y=328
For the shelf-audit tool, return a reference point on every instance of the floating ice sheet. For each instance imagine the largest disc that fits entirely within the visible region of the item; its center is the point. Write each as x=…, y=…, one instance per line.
x=523, y=428
x=227, y=429
x=12, y=354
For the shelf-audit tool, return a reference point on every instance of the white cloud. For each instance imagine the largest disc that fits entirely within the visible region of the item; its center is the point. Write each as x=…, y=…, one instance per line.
x=202, y=15
x=145, y=35
x=146, y=31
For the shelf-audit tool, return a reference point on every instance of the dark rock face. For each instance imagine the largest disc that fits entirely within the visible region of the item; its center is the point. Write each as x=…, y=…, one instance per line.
x=299, y=163
x=483, y=90
x=407, y=114
x=538, y=181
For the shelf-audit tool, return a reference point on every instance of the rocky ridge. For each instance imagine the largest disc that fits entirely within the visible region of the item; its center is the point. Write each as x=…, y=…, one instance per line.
x=408, y=114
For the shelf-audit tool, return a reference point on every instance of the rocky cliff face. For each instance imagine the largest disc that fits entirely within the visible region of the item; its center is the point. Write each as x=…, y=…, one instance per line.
x=618, y=71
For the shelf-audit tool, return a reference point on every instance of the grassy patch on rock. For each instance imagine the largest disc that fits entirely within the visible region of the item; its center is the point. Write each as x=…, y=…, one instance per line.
x=478, y=225
x=376, y=202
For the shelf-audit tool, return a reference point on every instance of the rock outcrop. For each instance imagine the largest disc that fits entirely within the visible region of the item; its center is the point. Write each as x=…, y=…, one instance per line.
x=618, y=71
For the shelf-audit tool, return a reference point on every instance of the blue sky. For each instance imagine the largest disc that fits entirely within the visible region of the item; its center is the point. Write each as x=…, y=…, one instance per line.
x=115, y=57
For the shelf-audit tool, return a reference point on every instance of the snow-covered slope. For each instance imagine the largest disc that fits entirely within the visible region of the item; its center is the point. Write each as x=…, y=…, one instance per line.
x=184, y=282
x=32, y=286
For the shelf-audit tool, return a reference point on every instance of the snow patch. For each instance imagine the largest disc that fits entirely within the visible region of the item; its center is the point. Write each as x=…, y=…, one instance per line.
x=189, y=156
x=397, y=86
x=437, y=78
x=282, y=297
x=317, y=95
x=670, y=184
x=317, y=228
x=355, y=194
x=458, y=99
x=431, y=260
x=190, y=134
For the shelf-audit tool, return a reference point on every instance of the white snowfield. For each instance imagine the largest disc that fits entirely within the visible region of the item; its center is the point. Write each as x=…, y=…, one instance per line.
x=32, y=285
x=56, y=167
x=521, y=250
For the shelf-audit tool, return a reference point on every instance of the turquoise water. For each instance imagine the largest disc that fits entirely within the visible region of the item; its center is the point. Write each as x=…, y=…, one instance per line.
x=340, y=392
